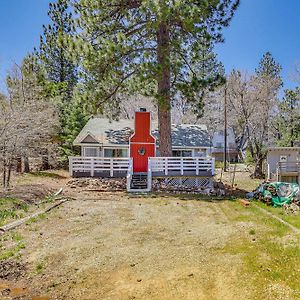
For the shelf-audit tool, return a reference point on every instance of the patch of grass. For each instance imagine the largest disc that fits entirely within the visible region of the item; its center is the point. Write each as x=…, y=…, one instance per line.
x=46, y=174
x=279, y=212
x=11, y=208
x=16, y=237
x=35, y=219
x=271, y=258
x=39, y=268
x=13, y=252
x=269, y=262
x=252, y=232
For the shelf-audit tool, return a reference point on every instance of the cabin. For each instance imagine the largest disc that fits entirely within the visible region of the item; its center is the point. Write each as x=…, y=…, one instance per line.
x=129, y=148
x=218, y=146
x=283, y=164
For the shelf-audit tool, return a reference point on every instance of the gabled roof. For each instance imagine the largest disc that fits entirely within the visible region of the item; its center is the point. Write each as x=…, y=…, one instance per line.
x=107, y=132
x=188, y=135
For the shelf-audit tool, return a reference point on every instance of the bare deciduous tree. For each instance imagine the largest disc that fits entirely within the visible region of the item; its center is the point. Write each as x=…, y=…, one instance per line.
x=252, y=103
x=27, y=122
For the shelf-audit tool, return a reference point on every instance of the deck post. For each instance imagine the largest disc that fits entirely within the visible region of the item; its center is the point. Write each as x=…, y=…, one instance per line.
x=111, y=167
x=92, y=167
x=181, y=166
x=71, y=166
x=213, y=166
x=197, y=166
x=166, y=166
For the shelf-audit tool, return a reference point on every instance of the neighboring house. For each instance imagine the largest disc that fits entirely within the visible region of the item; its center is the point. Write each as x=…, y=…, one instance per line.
x=101, y=137
x=218, y=146
x=283, y=164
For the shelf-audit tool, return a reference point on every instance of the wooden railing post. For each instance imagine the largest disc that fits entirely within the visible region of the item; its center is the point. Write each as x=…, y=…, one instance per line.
x=111, y=167
x=213, y=166
x=92, y=167
x=181, y=165
x=166, y=166
x=197, y=165
x=71, y=166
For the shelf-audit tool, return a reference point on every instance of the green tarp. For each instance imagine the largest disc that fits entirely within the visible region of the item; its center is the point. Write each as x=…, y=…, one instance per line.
x=277, y=193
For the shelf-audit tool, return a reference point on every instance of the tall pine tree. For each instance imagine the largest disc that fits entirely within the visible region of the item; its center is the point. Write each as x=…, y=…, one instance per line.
x=60, y=68
x=288, y=120
x=61, y=71
x=149, y=47
x=269, y=68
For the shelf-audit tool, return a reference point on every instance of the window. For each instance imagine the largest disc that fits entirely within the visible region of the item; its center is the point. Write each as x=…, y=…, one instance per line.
x=200, y=153
x=90, y=151
x=283, y=158
x=115, y=153
x=182, y=153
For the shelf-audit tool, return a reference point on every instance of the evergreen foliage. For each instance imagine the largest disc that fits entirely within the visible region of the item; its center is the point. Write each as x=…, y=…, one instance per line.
x=288, y=120
x=60, y=68
x=268, y=67
x=149, y=47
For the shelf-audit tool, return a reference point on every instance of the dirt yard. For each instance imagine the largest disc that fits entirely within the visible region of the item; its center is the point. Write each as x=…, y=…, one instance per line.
x=117, y=246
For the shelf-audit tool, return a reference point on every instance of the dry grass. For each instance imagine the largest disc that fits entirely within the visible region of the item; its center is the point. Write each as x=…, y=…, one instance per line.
x=115, y=246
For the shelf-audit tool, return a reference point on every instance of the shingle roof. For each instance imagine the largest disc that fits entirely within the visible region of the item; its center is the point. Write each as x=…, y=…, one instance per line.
x=108, y=132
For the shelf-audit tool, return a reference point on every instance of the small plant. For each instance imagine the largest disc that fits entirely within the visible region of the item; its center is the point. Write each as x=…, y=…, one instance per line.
x=14, y=252
x=252, y=232
x=39, y=268
x=16, y=237
x=35, y=219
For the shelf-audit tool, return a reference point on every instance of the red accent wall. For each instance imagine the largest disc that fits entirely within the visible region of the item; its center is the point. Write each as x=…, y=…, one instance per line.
x=142, y=144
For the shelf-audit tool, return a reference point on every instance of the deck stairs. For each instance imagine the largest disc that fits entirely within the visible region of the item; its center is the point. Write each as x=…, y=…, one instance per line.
x=139, y=182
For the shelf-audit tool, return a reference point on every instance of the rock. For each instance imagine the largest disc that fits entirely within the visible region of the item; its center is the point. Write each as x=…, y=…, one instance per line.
x=98, y=184
x=12, y=270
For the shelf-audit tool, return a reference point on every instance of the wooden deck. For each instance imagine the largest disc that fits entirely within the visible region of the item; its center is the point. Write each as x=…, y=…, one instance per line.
x=98, y=166
x=182, y=166
x=157, y=166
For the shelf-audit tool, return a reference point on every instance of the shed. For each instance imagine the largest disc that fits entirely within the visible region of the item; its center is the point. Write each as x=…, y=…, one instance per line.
x=283, y=164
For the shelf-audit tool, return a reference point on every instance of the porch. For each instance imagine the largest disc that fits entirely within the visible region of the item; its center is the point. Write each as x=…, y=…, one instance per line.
x=288, y=171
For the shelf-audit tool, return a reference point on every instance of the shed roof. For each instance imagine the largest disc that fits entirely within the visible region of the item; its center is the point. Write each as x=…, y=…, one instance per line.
x=284, y=148
x=108, y=132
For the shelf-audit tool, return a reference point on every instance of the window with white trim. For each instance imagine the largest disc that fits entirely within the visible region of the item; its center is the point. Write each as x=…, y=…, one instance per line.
x=115, y=153
x=90, y=151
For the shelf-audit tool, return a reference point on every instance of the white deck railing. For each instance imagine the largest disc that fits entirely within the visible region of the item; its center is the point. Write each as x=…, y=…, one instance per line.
x=92, y=165
x=106, y=166
x=289, y=167
x=182, y=165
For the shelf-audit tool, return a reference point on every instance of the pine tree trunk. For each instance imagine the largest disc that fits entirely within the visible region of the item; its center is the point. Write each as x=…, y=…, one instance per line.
x=164, y=86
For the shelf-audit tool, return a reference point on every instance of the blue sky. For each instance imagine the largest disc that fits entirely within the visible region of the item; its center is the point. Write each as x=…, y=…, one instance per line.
x=258, y=26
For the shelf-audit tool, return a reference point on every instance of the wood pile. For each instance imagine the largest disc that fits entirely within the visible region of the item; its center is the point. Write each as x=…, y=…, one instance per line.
x=284, y=195
x=98, y=184
x=293, y=208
